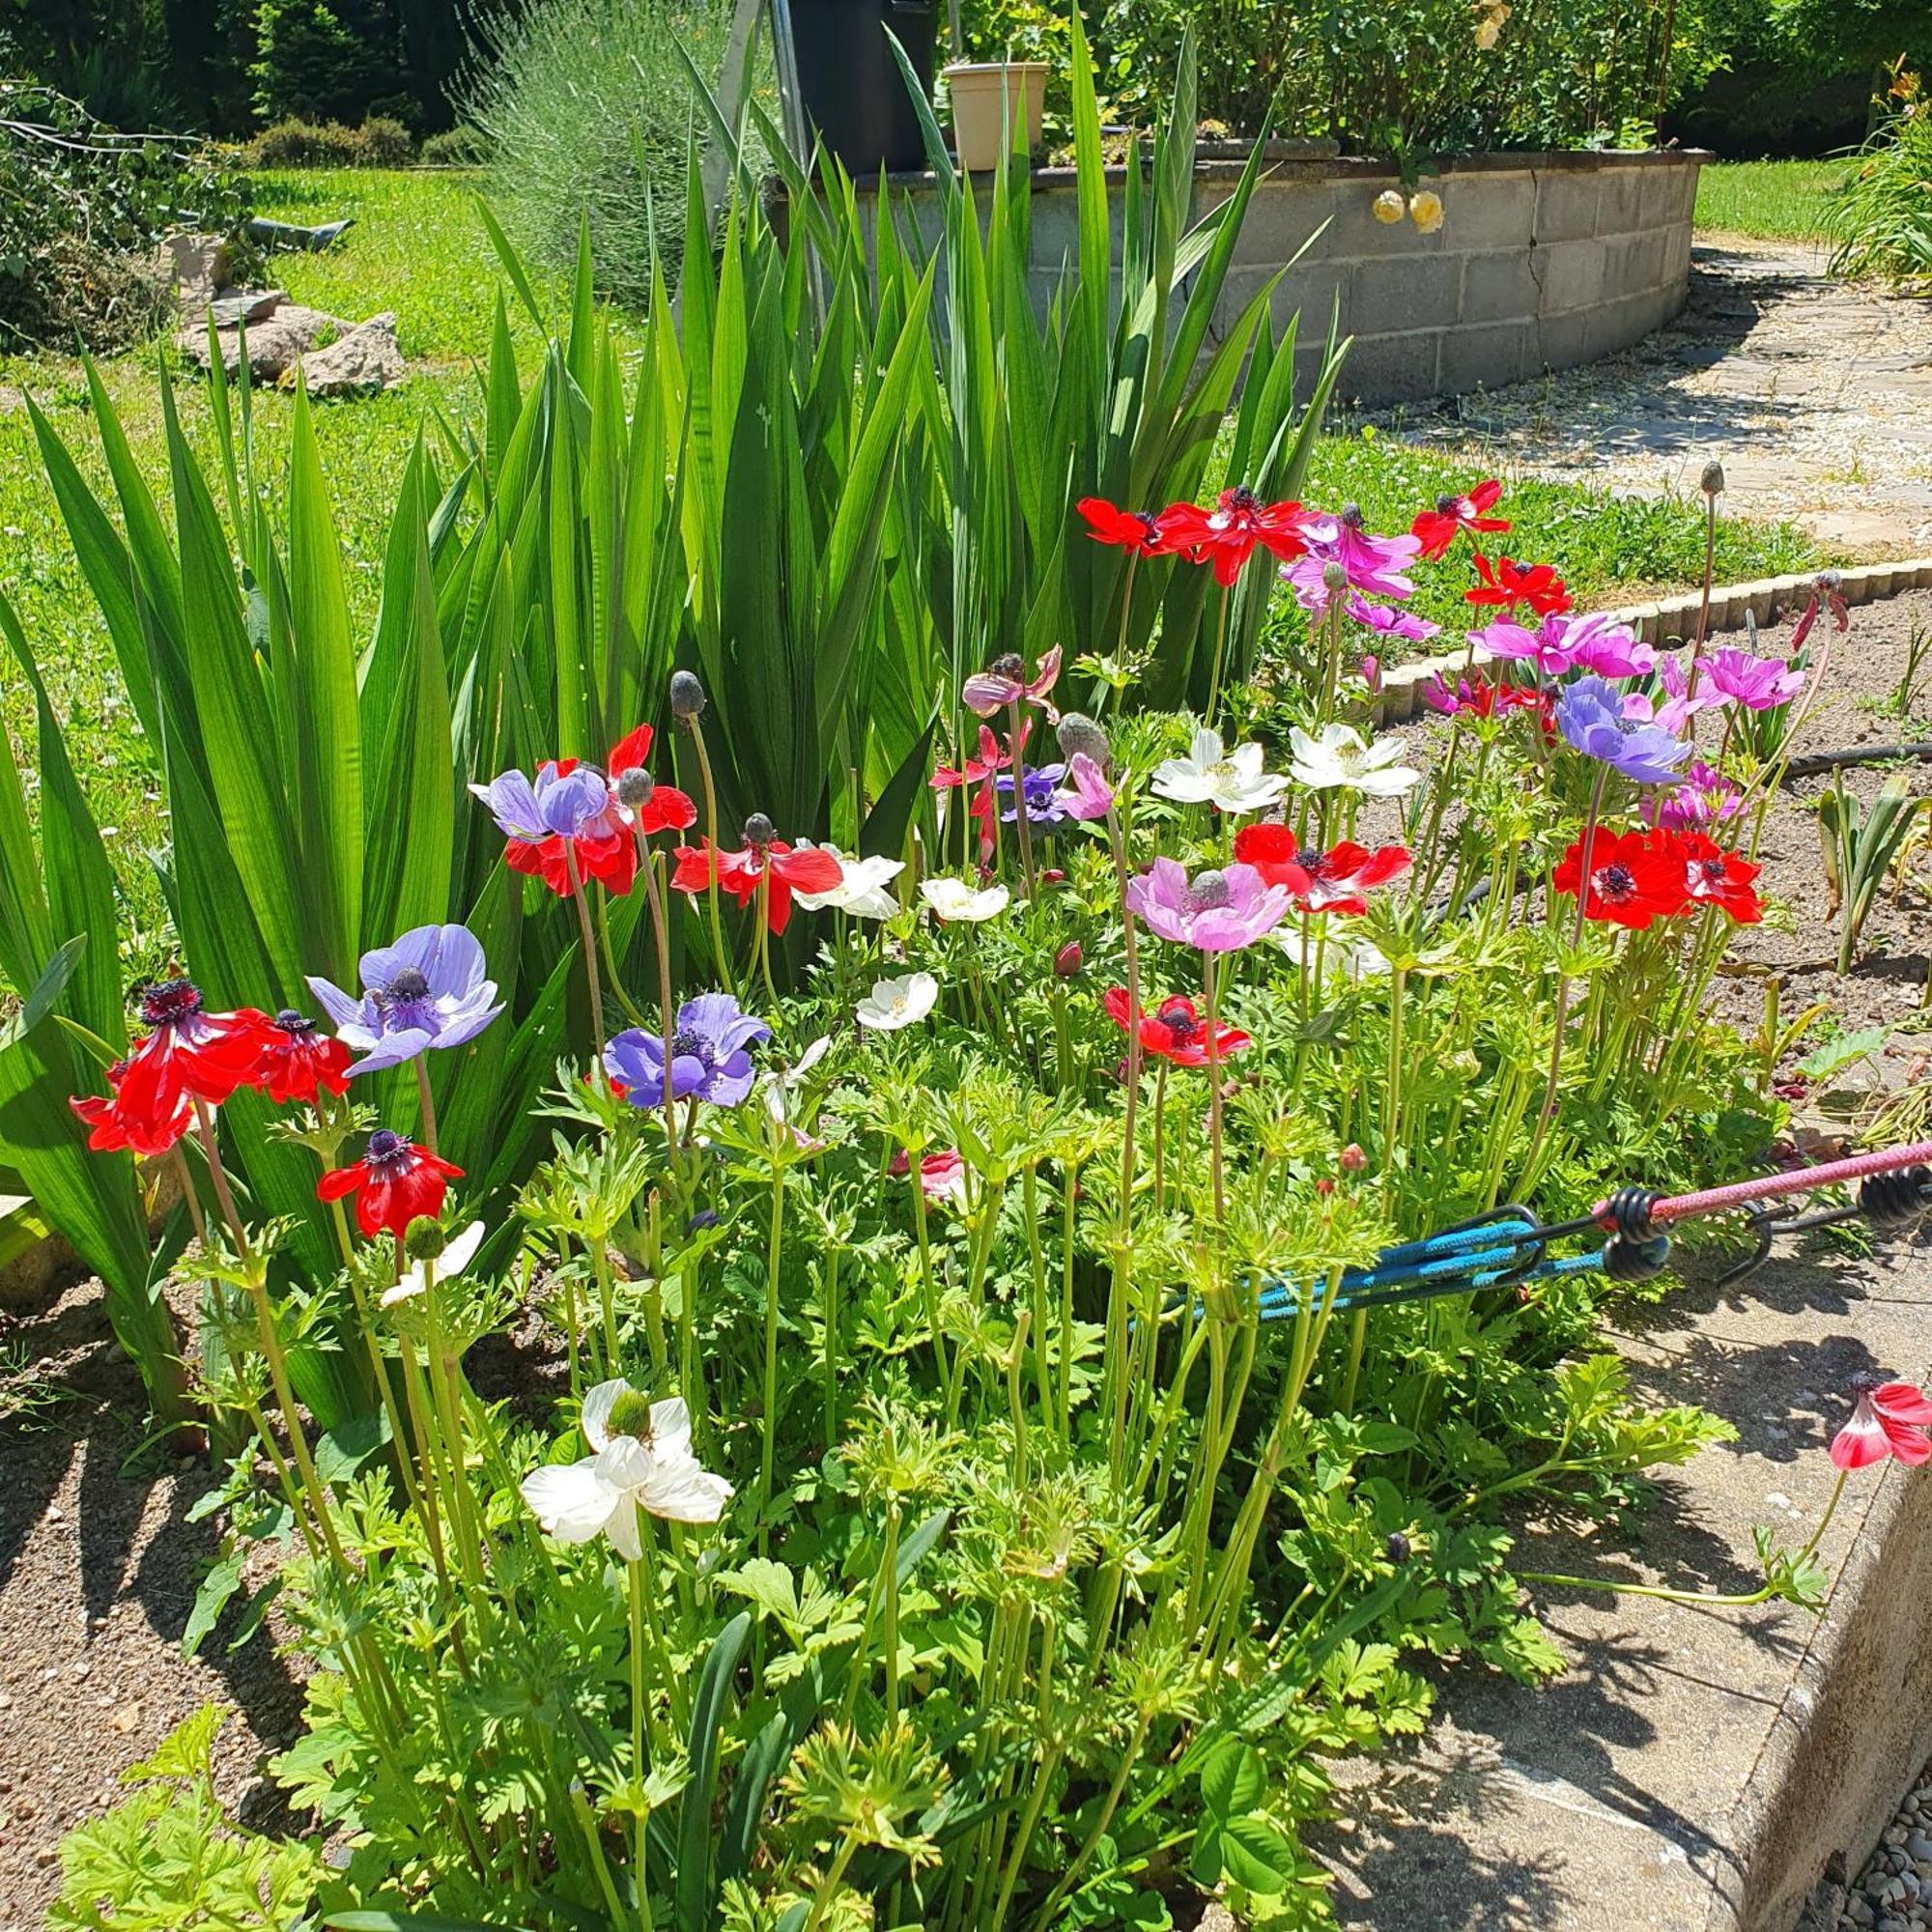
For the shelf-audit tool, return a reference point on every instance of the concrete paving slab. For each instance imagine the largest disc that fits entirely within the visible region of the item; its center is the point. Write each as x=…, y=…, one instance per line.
x=1692, y=1769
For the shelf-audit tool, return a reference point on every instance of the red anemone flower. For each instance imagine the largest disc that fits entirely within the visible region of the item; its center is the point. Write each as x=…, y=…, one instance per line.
x=188, y=1052
x=1890, y=1419
x=1632, y=883
x=1131, y=530
x=1176, y=1030
x=298, y=1062
x=1713, y=876
x=1232, y=532
x=607, y=848
x=981, y=772
x=1330, y=881
x=1437, y=527
x=395, y=1182
x=113, y=1128
x=761, y=862
x=1505, y=585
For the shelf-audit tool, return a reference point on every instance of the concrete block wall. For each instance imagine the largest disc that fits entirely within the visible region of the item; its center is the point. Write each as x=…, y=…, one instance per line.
x=1543, y=261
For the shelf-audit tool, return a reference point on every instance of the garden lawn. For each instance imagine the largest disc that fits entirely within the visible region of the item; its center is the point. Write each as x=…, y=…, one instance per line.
x=419, y=247
x=1779, y=200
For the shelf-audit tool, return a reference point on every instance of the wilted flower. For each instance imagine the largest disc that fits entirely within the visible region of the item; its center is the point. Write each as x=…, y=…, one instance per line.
x=980, y=772
x=709, y=1049
x=1887, y=1419
x=1233, y=782
x=1215, y=911
x=1486, y=697
x=1437, y=529
x=428, y=989
x=1341, y=758
x=1828, y=593
x=1175, y=1031
x=394, y=1182
x=1004, y=682
x=640, y=1459
x=903, y=1001
x=1425, y=210
x=1090, y=796
x=959, y=905
x=1596, y=722
x=456, y=1255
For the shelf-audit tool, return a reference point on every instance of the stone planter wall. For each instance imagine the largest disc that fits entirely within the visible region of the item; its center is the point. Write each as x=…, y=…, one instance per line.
x=1543, y=261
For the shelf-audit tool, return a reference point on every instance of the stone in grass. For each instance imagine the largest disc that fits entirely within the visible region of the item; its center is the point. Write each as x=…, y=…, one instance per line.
x=232, y=307
x=360, y=362
x=276, y=343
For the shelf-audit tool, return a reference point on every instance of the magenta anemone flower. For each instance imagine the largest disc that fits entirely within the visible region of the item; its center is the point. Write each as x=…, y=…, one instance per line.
x=1089, y=796
x=1703, y=797
x=1889, y=1419
x=1375, y=564
x=1562, y=643
x=1388, y=622
x=1219, y=911
x=1758, y=684
x=1004, y=682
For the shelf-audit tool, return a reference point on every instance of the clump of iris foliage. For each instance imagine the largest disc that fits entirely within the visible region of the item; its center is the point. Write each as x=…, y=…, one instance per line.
x=814, y=922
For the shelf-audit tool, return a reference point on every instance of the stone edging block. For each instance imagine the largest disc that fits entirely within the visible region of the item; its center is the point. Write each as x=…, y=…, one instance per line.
x=1672, y=618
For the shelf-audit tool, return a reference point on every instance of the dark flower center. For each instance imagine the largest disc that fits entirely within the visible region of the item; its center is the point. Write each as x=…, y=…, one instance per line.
x=1179, y=1023
x=1149, y=525
x=1714, y=870
x=407, y=989
x=690, y=1044
x=1614, y=882
x=1351, y=515
x=1244, y=500
x=759, y=831
x=297, y=1026
x=1864, y=1382
x=1309, y=859
x=1208, y=891
x=1449, y=506
x=386, y=1150
x=1009, y=664
x=170, y=1002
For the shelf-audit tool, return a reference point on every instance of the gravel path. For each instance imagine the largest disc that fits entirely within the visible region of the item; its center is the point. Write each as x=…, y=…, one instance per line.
x=1816, y=395
x=1895, y=1891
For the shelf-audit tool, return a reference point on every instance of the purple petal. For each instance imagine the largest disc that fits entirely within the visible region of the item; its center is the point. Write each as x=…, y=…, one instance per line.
x=394, y=1049
x=466, y=1023
x=732, y=1081
x=513, y=803
x=414, y=951
x=335, y=1002
x=457, y=965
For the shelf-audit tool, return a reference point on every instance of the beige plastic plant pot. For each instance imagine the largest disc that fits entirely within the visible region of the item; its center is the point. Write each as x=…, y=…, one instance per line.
x=992, y=99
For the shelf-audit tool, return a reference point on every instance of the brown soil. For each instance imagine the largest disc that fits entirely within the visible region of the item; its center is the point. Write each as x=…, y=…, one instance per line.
x=98, y=1566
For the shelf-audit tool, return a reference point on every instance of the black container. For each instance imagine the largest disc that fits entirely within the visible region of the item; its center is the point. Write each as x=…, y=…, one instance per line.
x=855, y=93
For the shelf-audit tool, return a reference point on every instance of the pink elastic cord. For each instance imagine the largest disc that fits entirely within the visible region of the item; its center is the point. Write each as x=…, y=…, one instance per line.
x=1714, y=1200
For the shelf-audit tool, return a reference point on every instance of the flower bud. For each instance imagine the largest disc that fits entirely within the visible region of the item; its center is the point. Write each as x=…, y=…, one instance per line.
x=1067, y=961
x=1398, y=1547
x=687, y=695
x=1354, y=1159
x=425, y=1240
x=1711, y=481
x=1335, y=578
x=1053, y=876
x=1078, y=734
x=1325, y=1186
x=1372, y=671
x=759, y=831
x=635, y=787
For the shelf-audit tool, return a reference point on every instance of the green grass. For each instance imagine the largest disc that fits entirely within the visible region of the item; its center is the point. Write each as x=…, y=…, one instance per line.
x=418, y=247
x=1776, y=200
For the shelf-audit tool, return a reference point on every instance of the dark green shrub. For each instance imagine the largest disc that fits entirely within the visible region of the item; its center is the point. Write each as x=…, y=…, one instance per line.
x=384, y=142
x=378, y=143
x=1883, y=220
x=453, y=148
x=323, y=60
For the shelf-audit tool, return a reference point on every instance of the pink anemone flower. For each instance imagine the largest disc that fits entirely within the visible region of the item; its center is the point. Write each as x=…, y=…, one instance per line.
x=1004, y=682
x=1220, y=910
x=1890, y=1419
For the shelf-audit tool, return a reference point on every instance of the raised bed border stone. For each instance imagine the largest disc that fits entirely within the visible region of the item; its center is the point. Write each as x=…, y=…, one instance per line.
x=1399, y=697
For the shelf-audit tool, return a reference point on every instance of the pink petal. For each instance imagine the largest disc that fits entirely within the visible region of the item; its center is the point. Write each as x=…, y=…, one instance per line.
x=1912, y=1446
x=1901, y=1402
x=1861, y=1442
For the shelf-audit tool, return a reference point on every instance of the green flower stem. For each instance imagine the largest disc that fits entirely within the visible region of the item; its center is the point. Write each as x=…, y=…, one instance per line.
x=639, y=1870
x=724, y=958
x=769, y=1419
x=1220, y=655
x=832, y=1258
x=928, y=1288
x=599, y=1249
x=1022, y=817
x=1109, y=1805
x=609, y=957
x=1115, y=1376
x=828, y=1891
x=1036, y=1269
x=1068, y=1188
x=587, y=1820
x=590, y=974
x=667, y=1008
x=889, y=1578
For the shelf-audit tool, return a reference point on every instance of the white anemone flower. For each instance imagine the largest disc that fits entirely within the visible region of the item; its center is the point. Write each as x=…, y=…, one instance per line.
x=958, y=904
x=642, y=1461
x=1234, y=781
x=1341, y=758
x=861, y=888
x=893, y=1004
x=458, y=1252
x=1348, y=958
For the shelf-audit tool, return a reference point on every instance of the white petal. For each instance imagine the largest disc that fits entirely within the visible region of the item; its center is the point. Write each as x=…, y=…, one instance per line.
x=1182, y=783
x=671, y=1426
x=571, y=1501
x=459, y=1251
x=684, y=1492
x=622, y=1528
x=1206, y=747
x=598, y=1404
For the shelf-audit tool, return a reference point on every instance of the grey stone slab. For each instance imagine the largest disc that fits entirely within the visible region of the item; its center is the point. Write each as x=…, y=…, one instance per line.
x=1403, y=293
x=1566, y=206
x=1488, y=211
x=1571, y=275
x=1633, y=263
x=1282, y=217
x=1393, y=368
x=1499, y=287
x=1486, y=357
x=1619, y=200
x=1561, y=341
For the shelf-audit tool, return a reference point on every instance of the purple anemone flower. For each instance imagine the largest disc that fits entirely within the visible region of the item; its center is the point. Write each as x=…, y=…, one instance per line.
x=428, y=989
x=1375, y=564
x=556, y=803
x=1595, y=721
x=1565, y=642
x=1213, y=912
x=1758, y=684
x=1388, y=622
x=1703, y=798
x=1044, y=804
x=709, y=1055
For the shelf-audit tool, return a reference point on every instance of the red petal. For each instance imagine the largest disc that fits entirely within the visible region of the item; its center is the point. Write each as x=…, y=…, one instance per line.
x=341, y=1180
x=631, y=750
x=1861, y=1442
x=813, y=871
